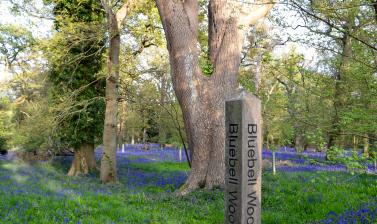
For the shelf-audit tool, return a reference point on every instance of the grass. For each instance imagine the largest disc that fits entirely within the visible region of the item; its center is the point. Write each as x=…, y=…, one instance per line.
x=44, y=194
x=305, y=197
x=161, y=167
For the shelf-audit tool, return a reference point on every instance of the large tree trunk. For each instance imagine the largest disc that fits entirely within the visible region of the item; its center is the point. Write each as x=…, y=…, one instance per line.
x=202, y=98
x=108, y=162
x=84, y=160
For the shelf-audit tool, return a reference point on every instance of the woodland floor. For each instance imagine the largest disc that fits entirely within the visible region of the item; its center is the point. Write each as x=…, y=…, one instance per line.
x=305, y=190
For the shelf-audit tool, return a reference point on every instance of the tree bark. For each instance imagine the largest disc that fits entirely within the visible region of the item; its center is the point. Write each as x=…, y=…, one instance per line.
x=202, y=98
x=83, y=161
x=108, y=162
x=114, y=20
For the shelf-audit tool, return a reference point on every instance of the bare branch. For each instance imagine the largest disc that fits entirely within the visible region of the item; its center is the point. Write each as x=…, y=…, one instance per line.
x=298, y=6
x=252, y=17
x=121, y=14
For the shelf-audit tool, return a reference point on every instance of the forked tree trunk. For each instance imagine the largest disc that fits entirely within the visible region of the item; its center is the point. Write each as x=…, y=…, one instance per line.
x=202, y=98
x=83, y=161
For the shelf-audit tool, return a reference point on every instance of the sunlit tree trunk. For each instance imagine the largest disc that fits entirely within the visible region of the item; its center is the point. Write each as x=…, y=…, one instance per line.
x=108, y=162
x=274, y=162
x=354, y=143
x=366, y=145
x=121, y=125
x=83, y=161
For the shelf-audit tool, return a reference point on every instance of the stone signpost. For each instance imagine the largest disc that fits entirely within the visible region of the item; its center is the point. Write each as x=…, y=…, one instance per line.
x=243, y=159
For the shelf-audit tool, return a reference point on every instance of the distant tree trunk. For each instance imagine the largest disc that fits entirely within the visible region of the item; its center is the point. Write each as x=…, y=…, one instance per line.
x=355, y=143
x=202, y=98
x=366, y=145
x=273, y=162
x=144, y=135
x=83, y=161
x=121, y=126
x=163, y=90
x=339, y=99
x=299, y=142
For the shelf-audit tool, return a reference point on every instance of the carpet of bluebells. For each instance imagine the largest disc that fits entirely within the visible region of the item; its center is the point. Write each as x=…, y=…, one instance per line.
x=306, y=189
x=310, y=161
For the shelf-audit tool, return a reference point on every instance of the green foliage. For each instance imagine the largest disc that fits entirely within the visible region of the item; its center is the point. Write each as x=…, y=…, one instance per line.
x=153, y=110
x=76, y=60
x=73, y=11
x=14, y=40
x=336, y=96
x=32, y=121
x=295, y=101
x=373, y=152
x=351, y=159
x=161, y=167
x=205, y=64
x=5, y=124
x=316, y=138
x=334, y=153
x=34, y=133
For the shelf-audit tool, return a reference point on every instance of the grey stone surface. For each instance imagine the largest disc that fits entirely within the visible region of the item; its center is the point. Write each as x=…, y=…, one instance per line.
x=243, y=159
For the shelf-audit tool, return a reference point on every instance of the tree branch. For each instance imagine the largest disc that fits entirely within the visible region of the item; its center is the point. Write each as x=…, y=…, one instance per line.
x=295, y=4
x=259, y=13
x=121, y=14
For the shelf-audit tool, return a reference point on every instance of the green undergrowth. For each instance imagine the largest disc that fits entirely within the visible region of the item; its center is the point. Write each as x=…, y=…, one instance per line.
x=161, y=167
x=43, y=194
